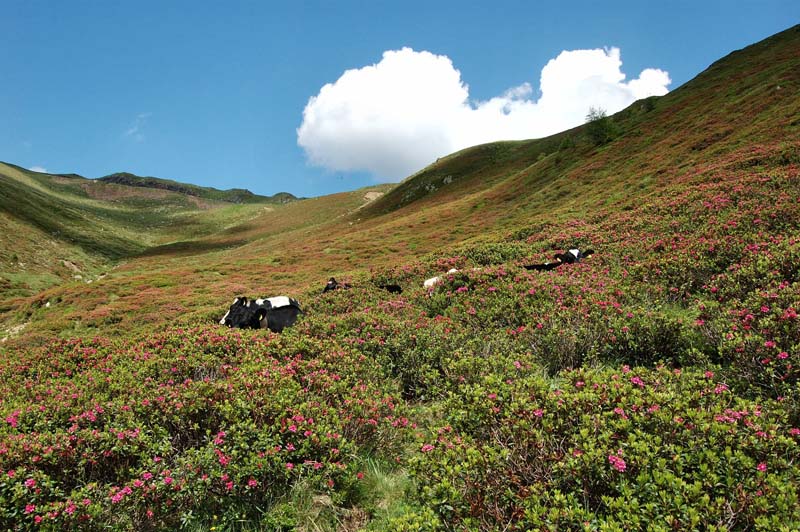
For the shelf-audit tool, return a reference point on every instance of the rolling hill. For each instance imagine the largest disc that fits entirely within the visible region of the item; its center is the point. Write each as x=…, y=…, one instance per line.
x=654, y=386
x=57, y=227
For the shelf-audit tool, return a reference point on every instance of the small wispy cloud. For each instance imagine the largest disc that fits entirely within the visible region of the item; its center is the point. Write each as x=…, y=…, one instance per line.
x=39, y=169
x=136, y=129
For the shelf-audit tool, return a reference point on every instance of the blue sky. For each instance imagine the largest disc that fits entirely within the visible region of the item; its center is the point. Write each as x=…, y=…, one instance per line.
x=214, y=93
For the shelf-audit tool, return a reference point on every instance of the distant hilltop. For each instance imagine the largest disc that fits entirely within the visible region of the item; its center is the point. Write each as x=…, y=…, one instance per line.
x=234, y=195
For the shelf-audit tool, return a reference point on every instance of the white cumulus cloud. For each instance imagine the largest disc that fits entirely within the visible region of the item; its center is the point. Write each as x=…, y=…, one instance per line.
x=394, y=117
x=38, y=169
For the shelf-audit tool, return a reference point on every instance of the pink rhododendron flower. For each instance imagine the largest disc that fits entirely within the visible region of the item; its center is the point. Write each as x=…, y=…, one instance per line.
x=30, y=508
x=617, y=462
x=762, y=466
x=30, y=483
x=427, y=448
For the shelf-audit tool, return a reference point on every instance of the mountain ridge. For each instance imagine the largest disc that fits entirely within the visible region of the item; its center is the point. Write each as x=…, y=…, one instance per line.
x=233, y=195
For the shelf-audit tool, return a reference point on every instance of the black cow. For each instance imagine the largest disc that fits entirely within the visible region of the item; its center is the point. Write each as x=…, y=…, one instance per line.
x=391, y=288
x=547, y=266
x=275, y=313
x=333, y=284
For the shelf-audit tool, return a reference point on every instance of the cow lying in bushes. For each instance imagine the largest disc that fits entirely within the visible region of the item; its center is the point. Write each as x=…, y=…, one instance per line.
x=274, y=313
x=433, y=281
x=570, y=257
x=333, y=284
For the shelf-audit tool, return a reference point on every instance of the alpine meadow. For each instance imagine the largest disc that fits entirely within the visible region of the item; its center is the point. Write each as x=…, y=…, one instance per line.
x=652, y=386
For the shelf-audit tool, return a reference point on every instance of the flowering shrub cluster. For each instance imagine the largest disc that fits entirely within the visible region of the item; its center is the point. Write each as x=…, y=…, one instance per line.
x=611, y=450
x=192, y=425
x=652, y=386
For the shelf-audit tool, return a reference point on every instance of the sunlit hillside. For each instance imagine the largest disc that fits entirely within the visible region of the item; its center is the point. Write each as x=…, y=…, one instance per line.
x=652, y=386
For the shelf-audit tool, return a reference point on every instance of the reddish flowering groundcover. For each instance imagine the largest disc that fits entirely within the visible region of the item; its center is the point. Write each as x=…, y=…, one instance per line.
x=655, y=384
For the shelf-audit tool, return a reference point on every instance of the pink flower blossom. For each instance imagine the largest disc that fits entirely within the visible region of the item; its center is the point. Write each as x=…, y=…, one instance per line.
x=762, y=466
x=637, y=381
x=30, y=483
x=289, y=466
x=30, y=508
x=427, y=448
x=617, y=462
x=783, y=355
x=252, y=483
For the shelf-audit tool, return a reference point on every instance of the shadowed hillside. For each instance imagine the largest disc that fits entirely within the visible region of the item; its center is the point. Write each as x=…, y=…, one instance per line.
x=653, y=386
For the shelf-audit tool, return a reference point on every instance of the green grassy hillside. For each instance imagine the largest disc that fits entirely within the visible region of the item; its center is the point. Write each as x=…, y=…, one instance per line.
x=654, y=386
x=57, y=227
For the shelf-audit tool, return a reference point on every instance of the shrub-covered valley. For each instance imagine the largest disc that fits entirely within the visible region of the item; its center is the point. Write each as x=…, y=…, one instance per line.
x=652, y=386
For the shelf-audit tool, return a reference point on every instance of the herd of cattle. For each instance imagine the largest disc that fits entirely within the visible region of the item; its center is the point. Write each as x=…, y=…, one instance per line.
x=277, y=313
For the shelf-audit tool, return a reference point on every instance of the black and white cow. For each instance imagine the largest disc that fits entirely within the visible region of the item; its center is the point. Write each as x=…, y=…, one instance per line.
x=333, y=284
x=274, y=313
x=570, y=257
x=573, y=255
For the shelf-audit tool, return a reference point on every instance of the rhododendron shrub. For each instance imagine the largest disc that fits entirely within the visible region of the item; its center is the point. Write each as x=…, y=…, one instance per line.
x=610, y=449
x=184, y=426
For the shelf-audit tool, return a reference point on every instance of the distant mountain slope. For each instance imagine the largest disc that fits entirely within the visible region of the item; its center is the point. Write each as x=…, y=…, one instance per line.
x=235, y=195
x=57, y=227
